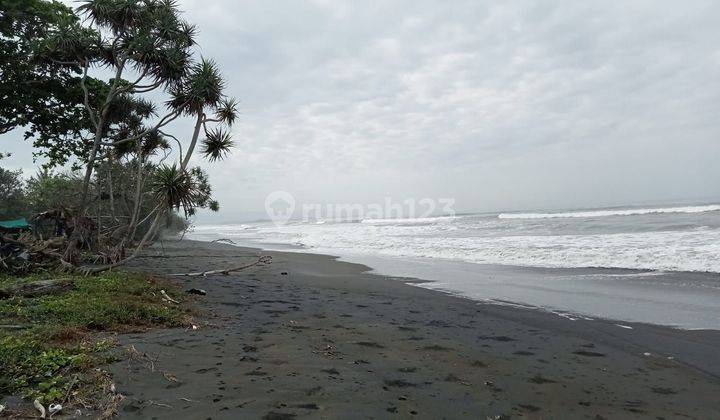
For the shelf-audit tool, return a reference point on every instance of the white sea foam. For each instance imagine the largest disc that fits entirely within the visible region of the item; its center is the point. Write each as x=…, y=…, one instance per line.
x=410, y=221
x=657, y=241
x=219, y=228
x=649, y=243
x=606, y=213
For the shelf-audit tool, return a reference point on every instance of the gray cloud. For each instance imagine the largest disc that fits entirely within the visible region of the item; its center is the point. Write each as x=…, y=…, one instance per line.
x=540, y=104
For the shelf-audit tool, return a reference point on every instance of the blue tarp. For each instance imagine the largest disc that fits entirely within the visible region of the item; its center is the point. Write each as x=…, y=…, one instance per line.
x=17, y=224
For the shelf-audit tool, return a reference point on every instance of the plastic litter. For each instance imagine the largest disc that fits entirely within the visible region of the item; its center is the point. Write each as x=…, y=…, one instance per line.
x=40, y=408
x=54, y=408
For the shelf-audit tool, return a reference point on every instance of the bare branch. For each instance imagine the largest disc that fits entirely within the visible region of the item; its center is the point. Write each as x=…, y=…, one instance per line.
x=176, y=140
x=86, y=98
x=149, y=214
x=263, y=260
x=133, y=85
x=146, y=88
x=164, y=121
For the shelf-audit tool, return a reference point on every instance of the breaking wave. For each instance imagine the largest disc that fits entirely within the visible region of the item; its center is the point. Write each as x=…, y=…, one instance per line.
x=606, y=213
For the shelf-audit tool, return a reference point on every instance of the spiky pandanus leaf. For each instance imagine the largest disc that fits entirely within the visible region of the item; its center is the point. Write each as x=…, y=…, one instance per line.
x=217, y=145
x=125, y=148
x=153, y=142
x=201, y=88
x=117, y=15
x=124, y=107
x=175, y=188
x=70, y=41
x=227, y=111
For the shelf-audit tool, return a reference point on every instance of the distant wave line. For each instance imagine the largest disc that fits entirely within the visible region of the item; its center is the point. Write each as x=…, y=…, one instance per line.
x=606, y=213
x=409, y=220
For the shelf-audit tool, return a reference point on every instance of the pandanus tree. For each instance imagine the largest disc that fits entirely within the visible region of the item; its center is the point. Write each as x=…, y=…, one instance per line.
x=143, y=46
x=200, y=94
x=146, y=38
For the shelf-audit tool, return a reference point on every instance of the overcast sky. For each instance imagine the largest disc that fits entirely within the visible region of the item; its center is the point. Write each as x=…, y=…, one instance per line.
x=500, y=105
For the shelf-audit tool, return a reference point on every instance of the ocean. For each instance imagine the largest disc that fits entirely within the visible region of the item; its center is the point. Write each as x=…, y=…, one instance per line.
x=629, y=263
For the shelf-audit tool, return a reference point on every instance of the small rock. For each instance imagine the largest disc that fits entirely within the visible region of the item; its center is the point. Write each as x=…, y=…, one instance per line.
x=194, y=291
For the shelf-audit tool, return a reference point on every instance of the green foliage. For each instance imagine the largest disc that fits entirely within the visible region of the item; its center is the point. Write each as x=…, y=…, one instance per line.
x=150, y=33
x=107, y=126
x=12, y=194
x=227, y=111
x=181, y=189
x=42, y=95
x=217, y=145
x=110, y=301
x=35, y=370
x=44, y=360
x=47, y=190
x=201, y=88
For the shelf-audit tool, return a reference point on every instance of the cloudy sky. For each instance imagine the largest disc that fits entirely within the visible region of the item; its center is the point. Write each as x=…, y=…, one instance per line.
x=500, y=105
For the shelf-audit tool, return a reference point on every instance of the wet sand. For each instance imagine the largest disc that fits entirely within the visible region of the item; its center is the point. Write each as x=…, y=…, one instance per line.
x=309, y=336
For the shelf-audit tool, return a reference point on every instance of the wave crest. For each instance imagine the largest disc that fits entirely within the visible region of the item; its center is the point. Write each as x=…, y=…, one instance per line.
x=606, y=213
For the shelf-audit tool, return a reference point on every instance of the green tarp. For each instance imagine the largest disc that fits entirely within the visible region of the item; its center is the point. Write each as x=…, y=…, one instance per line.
x=14, y=224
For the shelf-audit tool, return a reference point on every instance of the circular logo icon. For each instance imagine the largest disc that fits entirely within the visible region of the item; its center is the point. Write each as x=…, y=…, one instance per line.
x=280, y=206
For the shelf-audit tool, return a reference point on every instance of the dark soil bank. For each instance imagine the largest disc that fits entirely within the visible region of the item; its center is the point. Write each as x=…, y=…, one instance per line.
x=309, y=336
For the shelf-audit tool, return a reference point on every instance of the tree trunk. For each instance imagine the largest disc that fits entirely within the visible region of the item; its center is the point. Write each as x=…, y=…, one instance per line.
x=111, y=188
x=196, y=134
x=132, y=228
x=69, y=253
x=148, y=235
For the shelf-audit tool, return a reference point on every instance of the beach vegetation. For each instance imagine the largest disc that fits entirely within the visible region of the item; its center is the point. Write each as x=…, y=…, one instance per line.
x=52, y=346
x=129, y=176
x=12, y=194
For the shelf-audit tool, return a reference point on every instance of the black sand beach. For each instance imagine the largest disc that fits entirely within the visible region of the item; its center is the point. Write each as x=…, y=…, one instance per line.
x=309, y=336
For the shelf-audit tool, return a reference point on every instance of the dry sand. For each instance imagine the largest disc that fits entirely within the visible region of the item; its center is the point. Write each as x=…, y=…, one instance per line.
x=309, y=336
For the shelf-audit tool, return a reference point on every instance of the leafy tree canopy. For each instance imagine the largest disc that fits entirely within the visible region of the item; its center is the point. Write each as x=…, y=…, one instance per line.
x=43, y=96
x=12, y=194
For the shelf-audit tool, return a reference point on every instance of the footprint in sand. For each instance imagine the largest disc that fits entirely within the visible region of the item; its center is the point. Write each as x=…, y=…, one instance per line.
x=436, y=347
x=588, y=353
x=540, y=380
x=399, y=383
x=501, y=338
x=370, y=344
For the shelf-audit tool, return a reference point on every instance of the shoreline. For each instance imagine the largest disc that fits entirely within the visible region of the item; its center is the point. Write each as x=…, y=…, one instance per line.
x=678, y=299
x=329, y=339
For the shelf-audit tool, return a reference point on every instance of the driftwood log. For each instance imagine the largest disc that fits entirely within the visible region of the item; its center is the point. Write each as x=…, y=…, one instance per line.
x=264, y=260
x=36, y=288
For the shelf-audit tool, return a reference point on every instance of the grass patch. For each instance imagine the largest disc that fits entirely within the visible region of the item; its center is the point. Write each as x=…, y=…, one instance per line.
x=53, y=354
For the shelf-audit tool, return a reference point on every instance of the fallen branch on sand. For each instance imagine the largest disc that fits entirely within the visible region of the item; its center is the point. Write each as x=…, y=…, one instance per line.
x=224, y=240
x=264, y=260
x=36, y=288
